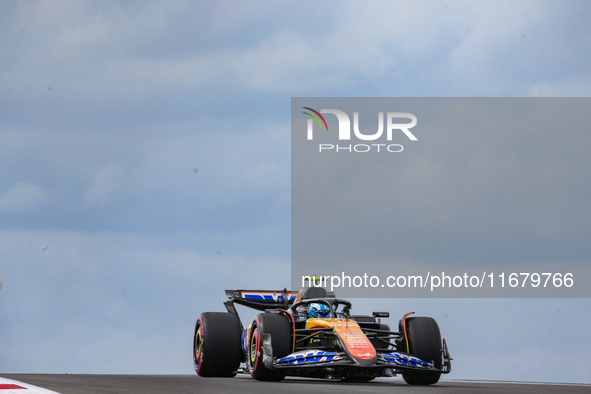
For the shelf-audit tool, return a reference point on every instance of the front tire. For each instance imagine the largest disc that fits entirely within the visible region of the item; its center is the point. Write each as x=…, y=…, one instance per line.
x=279, y=328
x=424, y=342
x=216, y=344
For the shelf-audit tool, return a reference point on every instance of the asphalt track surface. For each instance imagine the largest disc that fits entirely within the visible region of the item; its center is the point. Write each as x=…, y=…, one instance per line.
x=186, y=384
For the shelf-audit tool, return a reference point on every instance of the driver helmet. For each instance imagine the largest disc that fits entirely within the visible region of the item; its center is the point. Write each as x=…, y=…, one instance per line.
x=319, y=310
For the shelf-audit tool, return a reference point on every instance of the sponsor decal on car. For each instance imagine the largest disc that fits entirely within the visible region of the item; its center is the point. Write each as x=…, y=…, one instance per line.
x=308, y=357
x=349, y=331
x=244, y=340
x=404, y=359
x=267, y=295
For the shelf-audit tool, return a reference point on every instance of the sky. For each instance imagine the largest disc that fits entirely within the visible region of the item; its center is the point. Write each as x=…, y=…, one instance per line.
x=145, y=164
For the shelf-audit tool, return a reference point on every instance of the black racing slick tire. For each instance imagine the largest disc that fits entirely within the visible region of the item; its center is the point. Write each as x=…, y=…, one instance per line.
x=278, y=326
x=216, y=344
x=424, y=342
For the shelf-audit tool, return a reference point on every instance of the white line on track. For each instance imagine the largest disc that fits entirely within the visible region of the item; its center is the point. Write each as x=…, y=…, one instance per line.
x=9, y=386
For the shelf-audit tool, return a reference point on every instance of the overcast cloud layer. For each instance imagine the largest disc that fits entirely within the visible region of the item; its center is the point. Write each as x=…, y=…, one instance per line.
x=144, y=164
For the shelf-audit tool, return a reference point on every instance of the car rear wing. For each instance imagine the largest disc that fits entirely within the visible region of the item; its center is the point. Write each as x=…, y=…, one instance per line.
x=260, y=299
x=265, y=299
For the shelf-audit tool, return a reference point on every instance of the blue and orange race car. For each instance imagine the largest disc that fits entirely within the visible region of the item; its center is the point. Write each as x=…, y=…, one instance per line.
x=313, y=334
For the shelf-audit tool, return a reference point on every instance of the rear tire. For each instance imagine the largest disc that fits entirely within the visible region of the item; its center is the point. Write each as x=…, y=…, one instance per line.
x=216, y=344
x=279, y=328
x=424, y=342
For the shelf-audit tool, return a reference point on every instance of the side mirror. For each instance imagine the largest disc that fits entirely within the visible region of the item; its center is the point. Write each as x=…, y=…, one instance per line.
x=381, y=314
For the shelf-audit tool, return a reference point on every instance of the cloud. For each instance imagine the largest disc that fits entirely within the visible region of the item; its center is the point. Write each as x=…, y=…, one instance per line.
x=124, y=290
x=104, y=186
x=568, y=86
x=144, y=56
x=155, y=176
x=24, y=197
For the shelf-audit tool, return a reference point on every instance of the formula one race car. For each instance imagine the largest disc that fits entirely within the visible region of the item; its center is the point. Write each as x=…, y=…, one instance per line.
x=313, y=334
